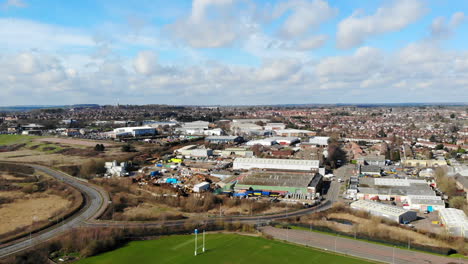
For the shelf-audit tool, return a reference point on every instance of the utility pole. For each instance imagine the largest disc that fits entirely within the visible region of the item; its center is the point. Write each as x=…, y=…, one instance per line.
x=203, y=240
x=196, y=232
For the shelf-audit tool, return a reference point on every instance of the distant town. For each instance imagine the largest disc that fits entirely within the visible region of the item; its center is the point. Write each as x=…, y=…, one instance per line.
x=346, y=170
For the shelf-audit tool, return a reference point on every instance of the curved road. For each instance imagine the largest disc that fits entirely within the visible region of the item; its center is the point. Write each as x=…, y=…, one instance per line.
x=96, y=201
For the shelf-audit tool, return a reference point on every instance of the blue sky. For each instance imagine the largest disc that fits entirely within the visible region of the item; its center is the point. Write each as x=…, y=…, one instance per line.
x=233, y=51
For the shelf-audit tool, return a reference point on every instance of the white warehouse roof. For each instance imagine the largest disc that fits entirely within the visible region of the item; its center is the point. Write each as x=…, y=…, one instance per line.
x=452, y=217
x=286, y=164
x=397, y=182
x=319, y=140
x=378, y=207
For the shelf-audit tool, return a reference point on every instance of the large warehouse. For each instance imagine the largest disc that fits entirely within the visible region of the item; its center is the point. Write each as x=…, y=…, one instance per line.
x=134, y=131
x=297, y=184
x=455, y=221
x=279, y=164
x=393, y=213
x=392, y=189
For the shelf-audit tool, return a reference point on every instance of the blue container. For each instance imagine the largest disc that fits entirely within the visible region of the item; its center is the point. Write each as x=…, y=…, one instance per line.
x=171, y=180
x=265, y=193
x=159, y=165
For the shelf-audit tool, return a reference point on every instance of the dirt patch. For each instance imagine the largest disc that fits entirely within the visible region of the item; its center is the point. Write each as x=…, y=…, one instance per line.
x=14, y=147
x=12, y=194
x=79, y=142
x=10, y=177
x=79, y=152
x=23, y=212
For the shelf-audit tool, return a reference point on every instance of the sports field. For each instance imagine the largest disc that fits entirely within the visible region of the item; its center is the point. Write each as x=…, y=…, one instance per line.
x=220, y=248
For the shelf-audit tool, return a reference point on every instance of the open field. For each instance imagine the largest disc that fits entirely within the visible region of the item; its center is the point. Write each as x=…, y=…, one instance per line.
x=35, y=208
x=29, y=200
x=15, y=139
x=220, y=248
x=54, y=152
x=70, y=141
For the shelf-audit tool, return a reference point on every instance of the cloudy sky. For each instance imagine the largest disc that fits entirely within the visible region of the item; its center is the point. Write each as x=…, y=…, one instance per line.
x=233, y=51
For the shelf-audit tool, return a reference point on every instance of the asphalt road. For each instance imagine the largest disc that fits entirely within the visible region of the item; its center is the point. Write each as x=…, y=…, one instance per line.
x=361, y=249
x=94, y=203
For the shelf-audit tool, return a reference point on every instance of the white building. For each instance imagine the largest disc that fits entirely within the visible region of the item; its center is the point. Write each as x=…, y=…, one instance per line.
x=203, y=186
x=454, y=221
x=194, y=128
x=319, y=141
x=397, y=182
x=134, y=131
x=280, y=164
x=275, y=126
x=273, y=141
x=425, y=203
x=294, y=133
x=213, y=132
x=115, y=169
x=193, y=151
x=390, y=212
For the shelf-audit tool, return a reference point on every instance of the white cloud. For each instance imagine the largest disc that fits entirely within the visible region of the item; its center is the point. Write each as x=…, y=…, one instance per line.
x=212, y=23
x=313, y=42
x=306, y=15
x=362, y=62
x=354, y=30
x=415, y=73
x=278, y=70
x=441, y=29
x=145, y=62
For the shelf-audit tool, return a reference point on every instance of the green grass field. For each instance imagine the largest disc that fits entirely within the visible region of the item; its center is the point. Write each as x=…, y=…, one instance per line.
x=220, y=248
x=14, y=139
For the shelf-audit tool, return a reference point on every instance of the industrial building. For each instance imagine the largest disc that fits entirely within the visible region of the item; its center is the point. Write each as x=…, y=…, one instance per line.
x=392, y=189
x=275, y=126
x=134, y=131
x=279, y=164
x=194, y=151
x=371, y=170
x=294, y=133
x=294, y=184
x=114, y=169
x=424, y=203
x=241, y=152
x=224, y=139
x=200, y=187
x=424, y=163
x=319, y=141
x=193, y=128
x=374, y=160
x=274, y=141
x=454, y=221
x=390, y=212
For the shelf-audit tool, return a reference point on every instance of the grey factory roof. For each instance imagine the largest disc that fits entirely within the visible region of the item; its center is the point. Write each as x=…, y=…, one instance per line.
x=370, y=168
x=221, y=137
x=378, y=207
x=401, y=190
x=277, y=178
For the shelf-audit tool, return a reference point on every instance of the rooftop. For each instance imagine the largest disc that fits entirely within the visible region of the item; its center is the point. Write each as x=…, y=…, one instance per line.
x=375, y=206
